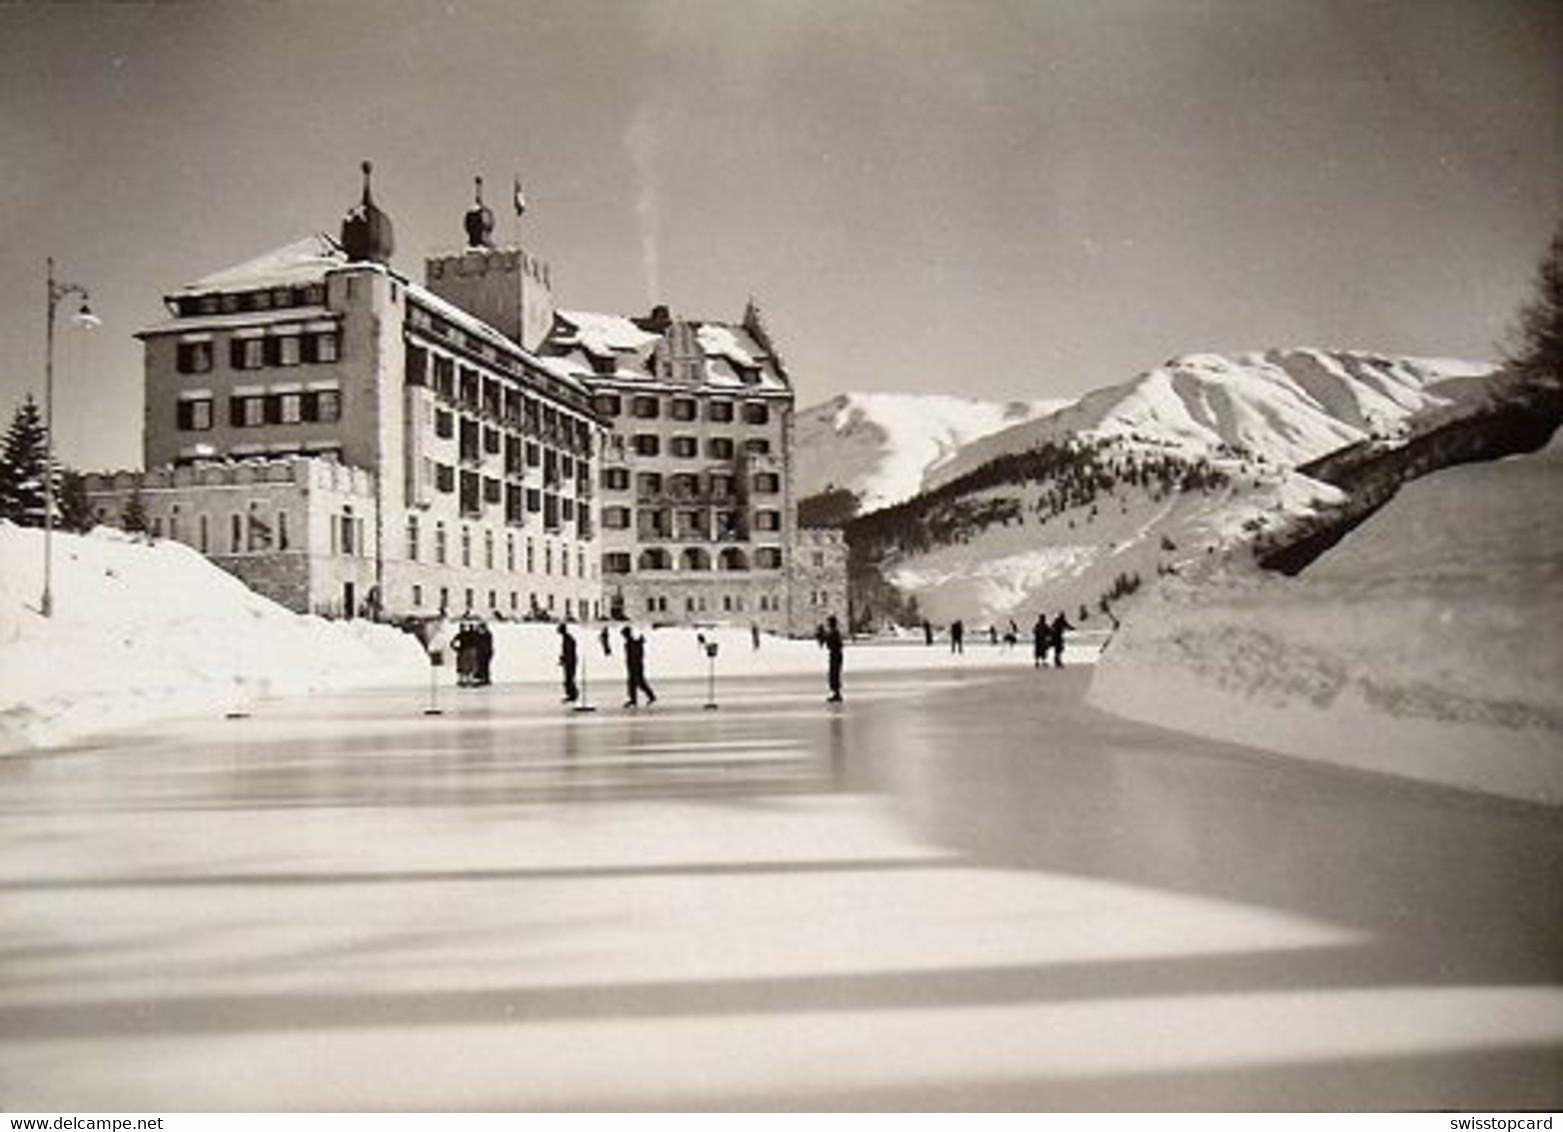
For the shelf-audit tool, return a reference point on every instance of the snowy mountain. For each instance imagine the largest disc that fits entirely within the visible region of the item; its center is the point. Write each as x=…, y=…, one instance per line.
x=880, y=446
x=1423, y=644
x=1281, y=407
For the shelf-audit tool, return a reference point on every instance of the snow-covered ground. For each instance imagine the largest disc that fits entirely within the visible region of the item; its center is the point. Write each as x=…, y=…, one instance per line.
x=149, y=630
x=146, y=630
x=1425, y=644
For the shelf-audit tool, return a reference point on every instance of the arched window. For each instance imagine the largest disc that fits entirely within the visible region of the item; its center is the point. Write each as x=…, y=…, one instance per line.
x=654, y=558
x=695, y=558
x=733, y=558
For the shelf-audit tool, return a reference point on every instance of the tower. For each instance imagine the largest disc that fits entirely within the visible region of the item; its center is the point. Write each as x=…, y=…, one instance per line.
x=367, y=234
x=505, y=287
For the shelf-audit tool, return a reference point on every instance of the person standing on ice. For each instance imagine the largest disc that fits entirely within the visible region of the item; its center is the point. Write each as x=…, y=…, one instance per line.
x=635, y=669
x=1041, y=638
x=483, y=654
x=927, y=632
x=1060, y=623
x=567, y=662
x=833, y=650
x=957, y=637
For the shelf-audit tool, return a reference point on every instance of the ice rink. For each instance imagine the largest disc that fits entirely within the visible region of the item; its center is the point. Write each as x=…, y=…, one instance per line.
x=960, y=889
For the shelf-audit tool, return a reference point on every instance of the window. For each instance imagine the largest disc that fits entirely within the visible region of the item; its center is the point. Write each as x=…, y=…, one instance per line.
x=328, y=347
x=616, y=562
x=720, y=448
x=288, y=350
x=283, y=541
x=193, y=357
x=685, y=447
x=235, y=533
x=194, y=415
x=439, y=548
x=767, y=483
x=510, y=561
x=720, y=412
x=646, y=408
x=647, y=444
x=466, y=546
x=757, y=446
x=290, y=408
x=682, y=409
x=648, y=483
x=756, y=412
x=768, y=558
x=444, y=424
x=259, y=530
x=608, y=404
x=412, y=538
x=767, y=520
x=616, y=479
x=616, y=518
x=324, y=406
x=204, y=538
x=246, y=412
x=417, y=595
x=247, y=353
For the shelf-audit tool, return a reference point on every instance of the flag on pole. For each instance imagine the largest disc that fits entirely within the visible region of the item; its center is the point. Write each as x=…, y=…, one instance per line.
x=520, y=199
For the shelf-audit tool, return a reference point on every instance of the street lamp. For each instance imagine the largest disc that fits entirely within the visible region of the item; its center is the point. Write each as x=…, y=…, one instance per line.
x=87, y=320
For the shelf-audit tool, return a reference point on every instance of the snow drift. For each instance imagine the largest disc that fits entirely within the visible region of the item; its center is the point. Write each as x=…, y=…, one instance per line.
x=143, y=630
x=1425, y=644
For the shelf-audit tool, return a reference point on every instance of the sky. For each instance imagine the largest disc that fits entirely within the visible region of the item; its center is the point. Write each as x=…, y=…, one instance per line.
x=1010, y=199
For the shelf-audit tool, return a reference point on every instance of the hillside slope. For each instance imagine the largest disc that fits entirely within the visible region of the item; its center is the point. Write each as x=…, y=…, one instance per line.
x=1282, y=407
x=880, y=446
x=1423, y=644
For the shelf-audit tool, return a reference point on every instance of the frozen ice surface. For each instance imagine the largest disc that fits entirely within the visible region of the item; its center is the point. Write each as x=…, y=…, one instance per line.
x=961, y=889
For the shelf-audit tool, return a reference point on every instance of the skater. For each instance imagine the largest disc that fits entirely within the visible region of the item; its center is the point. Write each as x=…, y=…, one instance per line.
x=993, y=635
x=1012, y=637
x=567, y=661
x=833, y=648
x=606, y=641
x=482, y=654
x=465, y=646
x=957, y=637
x=1060, y=623
x=1041, y=638
x=635, y=669
x=754, y=633
x=927, y=632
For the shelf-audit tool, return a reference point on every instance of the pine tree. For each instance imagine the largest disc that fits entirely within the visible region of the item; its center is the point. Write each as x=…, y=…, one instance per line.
x=75, y=510
x=134, y=517
x=1539, y=351
x=23, y=465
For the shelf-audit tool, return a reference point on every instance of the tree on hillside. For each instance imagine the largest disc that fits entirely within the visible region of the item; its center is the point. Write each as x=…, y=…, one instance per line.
x=134, y=517
x=24, y=462
x=1539, y=350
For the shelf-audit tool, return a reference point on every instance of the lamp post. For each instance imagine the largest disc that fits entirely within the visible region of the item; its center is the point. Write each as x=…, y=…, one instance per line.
x=86, y=319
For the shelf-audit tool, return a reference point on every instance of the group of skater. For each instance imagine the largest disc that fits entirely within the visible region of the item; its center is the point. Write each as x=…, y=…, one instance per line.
x=1047, y=638
x=634, y=664
x=472, y=646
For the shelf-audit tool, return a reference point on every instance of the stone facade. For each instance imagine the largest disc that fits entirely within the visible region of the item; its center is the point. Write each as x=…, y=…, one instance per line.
x=818, y=580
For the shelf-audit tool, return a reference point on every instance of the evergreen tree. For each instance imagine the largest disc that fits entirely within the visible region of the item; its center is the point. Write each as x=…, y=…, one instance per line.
x=75, y=512
x=134, y=517
x=1539, y=351
x=23, y=465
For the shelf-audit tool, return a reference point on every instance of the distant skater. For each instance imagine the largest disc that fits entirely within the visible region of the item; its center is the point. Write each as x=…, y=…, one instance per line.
x=567, y=662
x=606, y=641
x=482, y=654
x=1060, y=623
x=635, y=669
x=833, y=649
x=1041, y=639
x=957, y=637
x=927, y=632
x=754, y=632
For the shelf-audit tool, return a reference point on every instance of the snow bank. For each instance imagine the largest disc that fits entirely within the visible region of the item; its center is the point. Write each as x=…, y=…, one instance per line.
x=1424, y=645
x=148, y=630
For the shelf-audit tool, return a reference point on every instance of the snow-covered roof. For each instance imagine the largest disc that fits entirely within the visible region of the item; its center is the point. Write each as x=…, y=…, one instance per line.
x=303, y=261
x=286, y=316
x=605, y=334
x=602, y=348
